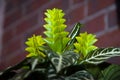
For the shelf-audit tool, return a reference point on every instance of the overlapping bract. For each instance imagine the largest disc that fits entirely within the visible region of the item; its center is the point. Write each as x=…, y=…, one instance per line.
x=35, y=44
x=85, y=43
x=55, y=30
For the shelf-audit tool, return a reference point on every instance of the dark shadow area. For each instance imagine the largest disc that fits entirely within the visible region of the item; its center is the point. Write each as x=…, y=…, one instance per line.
x=118, y=11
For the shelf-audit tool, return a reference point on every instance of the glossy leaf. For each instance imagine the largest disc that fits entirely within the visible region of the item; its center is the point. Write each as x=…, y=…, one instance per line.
x=100, y=55
x=72, y=35
x=51, y=73
x=111, y=73
x=80, y=75
x=61, y=61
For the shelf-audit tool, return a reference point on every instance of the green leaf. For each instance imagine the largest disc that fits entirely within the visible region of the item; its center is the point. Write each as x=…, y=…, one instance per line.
x=75, y=32
x=111, y=73
x=11, y=71
x=80, y=75
x=20, y=75
x=100, y=55
x=61, y=61
x=34, y=63
x=51, y=73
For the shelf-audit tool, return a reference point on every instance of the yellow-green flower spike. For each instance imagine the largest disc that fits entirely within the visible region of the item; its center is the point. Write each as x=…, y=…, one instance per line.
x=55, y=30
x=35, y=44
x=85, y=43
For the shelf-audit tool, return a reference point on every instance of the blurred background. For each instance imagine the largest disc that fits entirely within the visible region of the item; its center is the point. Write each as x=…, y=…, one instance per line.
x=20, y=19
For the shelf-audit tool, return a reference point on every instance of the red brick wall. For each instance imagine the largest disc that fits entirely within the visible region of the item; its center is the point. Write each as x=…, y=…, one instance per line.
x=25, y=17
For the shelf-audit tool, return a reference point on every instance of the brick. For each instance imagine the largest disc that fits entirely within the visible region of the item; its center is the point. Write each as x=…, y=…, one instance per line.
x=9, y=6
x=8, y=35
x=38, y=31
x=111, y=39
x=15, y=59
x=112, y=18
x=20, y=2
x=54, y=4
x=12, y=18
x=12, y=60
x=26, y=24
x=2, y=66
x=65, y=4
x=13, y=4
x=114, y=60
x=36, y=4
x=11, y=47
x=78, y=1
x=96, y=5
x=95, y=25
x=75, y=15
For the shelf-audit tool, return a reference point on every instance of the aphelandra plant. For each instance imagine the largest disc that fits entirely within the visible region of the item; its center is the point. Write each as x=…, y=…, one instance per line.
x=64, y=55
